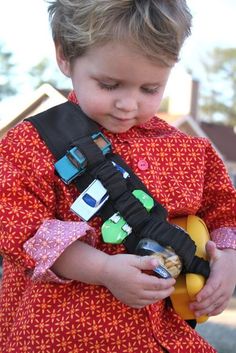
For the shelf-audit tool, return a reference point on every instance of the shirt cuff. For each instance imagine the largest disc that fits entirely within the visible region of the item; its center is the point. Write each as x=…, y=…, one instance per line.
x=225, y=238
x=49, y=242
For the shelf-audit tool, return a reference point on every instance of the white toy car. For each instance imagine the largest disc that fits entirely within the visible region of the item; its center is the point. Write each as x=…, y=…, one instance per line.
x=90, y=201
x=92, y=198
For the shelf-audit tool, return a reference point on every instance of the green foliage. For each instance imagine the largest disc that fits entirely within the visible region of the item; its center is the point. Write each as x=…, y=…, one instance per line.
x=218, y=102
x=43, y=72
x=6, y=73
x=46, y=72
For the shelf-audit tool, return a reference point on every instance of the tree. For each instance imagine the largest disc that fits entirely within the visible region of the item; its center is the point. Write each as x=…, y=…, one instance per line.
x=218, y=101
x=45, y=71
x=6, y=73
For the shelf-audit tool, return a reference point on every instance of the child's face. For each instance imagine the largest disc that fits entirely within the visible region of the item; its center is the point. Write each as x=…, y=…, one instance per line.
x=116, y=86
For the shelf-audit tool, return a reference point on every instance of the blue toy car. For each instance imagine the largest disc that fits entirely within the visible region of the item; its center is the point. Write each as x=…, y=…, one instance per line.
x=74, y=162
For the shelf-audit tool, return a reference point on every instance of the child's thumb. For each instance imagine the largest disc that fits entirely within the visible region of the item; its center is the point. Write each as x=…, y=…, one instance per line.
x=147, y=262
x=212, y=251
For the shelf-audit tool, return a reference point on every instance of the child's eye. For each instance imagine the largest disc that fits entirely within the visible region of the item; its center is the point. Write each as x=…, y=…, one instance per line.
x=108, y=87
x=153, y=90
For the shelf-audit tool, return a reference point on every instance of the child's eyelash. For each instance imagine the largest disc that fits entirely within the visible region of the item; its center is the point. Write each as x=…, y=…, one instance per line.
x=111, y=87
x=107, y=86
x=150, y=90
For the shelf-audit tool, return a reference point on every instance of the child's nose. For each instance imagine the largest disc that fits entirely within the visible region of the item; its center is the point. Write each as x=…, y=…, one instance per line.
x=126, y=104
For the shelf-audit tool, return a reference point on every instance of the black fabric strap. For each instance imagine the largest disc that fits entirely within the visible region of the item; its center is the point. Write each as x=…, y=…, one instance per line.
x=61, y=125
x=167, y=234
x=143, y=224
x=124, y=201
x=199, y=266
x=90, y=150
x=133, y=211
x=66, y=125
x=111, y=178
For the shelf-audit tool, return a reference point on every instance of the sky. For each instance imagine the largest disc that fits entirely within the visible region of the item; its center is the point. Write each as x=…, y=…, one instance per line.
x=25, y=31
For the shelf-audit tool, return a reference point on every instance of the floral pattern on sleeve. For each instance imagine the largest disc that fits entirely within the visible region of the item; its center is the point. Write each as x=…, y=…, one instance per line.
x=224, y=238
x=49, y=242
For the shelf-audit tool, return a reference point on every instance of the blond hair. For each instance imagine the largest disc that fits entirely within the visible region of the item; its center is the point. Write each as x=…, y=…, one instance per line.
x=156, y=27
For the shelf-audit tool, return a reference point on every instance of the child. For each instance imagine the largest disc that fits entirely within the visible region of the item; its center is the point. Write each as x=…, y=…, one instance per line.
x=63, y=288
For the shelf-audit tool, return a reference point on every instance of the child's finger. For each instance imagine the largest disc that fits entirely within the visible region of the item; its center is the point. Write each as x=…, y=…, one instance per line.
x=213, y=309
x=208, y=302
x=212, y=251
x=209, y=290
x=146, y=262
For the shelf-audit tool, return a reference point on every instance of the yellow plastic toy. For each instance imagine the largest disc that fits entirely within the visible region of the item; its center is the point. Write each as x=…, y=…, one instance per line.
x=187, y=286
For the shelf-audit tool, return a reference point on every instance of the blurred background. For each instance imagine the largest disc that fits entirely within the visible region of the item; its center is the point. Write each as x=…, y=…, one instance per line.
x=200, y=98
x=208, y=57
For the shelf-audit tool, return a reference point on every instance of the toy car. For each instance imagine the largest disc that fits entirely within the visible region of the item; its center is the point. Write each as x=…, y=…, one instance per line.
x=74, y=162
x=116, y=229
x=91, y=199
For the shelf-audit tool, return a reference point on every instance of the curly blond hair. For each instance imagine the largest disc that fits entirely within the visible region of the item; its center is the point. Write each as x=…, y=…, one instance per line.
x=156, y=27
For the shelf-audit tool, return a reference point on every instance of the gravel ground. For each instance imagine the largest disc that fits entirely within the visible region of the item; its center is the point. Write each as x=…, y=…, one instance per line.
x=220, y=330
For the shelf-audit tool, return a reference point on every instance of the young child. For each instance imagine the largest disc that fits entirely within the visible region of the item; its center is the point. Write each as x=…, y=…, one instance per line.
x=63, y=288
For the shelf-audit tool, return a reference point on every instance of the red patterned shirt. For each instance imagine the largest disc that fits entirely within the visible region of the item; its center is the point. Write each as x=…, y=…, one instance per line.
x=184, y=173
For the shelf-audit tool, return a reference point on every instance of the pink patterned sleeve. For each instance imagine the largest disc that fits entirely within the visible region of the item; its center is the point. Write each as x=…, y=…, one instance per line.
x=225, y=238
x=49, y=242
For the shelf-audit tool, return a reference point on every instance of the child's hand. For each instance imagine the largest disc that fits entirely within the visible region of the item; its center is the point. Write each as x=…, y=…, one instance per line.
x=218, y=290
x=124, y=277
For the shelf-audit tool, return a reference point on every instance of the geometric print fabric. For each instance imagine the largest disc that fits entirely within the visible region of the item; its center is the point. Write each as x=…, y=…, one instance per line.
x=183, y=173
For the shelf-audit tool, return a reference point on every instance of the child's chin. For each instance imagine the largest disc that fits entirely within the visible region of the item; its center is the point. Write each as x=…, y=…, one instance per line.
x=119, y=130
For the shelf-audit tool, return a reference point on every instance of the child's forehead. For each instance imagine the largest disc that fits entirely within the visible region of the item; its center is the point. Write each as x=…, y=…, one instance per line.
x=120, y=63
x=118, y=54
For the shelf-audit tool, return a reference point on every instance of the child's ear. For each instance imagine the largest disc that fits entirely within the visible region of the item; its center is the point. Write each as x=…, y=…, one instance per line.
x=63, y=63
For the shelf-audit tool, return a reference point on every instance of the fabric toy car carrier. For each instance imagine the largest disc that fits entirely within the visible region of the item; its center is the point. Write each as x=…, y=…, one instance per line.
x=84, y=156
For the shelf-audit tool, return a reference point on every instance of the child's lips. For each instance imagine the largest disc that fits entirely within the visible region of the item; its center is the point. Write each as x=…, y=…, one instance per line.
x=122, y=120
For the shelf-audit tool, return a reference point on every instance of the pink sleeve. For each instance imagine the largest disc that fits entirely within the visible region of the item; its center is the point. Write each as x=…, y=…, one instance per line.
x=49, y=242
x=225, y=238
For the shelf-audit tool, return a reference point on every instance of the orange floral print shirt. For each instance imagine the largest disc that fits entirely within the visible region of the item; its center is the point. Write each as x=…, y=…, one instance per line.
x=184, y=173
